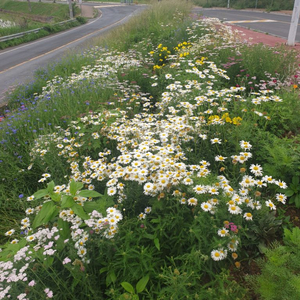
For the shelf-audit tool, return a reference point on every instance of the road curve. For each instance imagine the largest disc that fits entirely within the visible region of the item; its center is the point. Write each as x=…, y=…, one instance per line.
x=18, y=64
x=276, y=24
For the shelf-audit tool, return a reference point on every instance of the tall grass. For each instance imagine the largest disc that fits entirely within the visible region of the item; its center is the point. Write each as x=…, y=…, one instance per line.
x=149, y=24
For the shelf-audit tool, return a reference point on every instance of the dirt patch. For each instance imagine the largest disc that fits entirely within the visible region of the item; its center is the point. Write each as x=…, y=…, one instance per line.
x=294, y=214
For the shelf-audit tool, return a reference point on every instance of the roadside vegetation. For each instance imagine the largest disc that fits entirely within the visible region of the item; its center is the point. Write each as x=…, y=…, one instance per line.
x=160, y=163
x=16, y=17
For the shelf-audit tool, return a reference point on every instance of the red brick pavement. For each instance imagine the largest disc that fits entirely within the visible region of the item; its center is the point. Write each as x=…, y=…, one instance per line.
x=253, y=37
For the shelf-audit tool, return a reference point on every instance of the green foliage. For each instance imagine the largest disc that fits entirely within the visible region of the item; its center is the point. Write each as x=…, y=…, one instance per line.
x=46, y=30
x=265, y=229
x=59, y=12
x=279, y=278
x=293, y=192
x=133, y=292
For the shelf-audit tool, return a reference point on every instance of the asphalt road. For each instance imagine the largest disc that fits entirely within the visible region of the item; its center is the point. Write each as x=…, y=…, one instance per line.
x=271, y=23
x=18, y=64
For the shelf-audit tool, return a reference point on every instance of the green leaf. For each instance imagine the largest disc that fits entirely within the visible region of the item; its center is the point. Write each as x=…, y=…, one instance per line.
x=41, y=193
x=289, y=192
x=75, y=186
x=78, y=210
x=9, y=250
x=156, y=243
x=294, y=187
x=55, y=197
x=140, y=286
x=149, y=236
x=111, y=278
x=48, y=261
x=89, y=206
x=102, y=270
x=155, y=221
x=100, y=205
x=50, y=186
x=64, y=227
x=295, y=180
x=128, y=287
x=297, y=200
x=64, y=233
x=87, y=193
x=47, y=212
x=67, y=201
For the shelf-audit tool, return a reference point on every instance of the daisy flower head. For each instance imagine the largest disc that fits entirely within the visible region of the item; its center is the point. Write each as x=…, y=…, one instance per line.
x=281, y=184
x=200, y=189
x=232, y=246
x=10, y=232
x=30, y=198
x=182, y=201
x=192, y=201
x=270, y=204
x=256, y=170
x=188, y=181
x=213, y=190
x=215, y=141
x=260, y=183
x=142, y=216
x=111, y=211
x=148, y=187
x=148, y=210
x=206, y=206
x=243, y=192
x=111, y=191
x=235, y=210
x=248, y=216
x=281, y=198
x=268, y=179
x=223, y=232
x=30, y=238
x=203, y=136
x=176, y=193
x=29, y=211
x=218, y=255
x=245, y=145
x=220, y=158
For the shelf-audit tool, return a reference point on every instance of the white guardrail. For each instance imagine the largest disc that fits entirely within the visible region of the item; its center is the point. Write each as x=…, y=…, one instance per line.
x=21, y=34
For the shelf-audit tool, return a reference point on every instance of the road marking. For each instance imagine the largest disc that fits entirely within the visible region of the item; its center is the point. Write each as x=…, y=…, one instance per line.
x=113, y=5
x=250, y=21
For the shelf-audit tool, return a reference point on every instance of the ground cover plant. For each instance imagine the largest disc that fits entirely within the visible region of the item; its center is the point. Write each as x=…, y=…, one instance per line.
x=144, y=170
